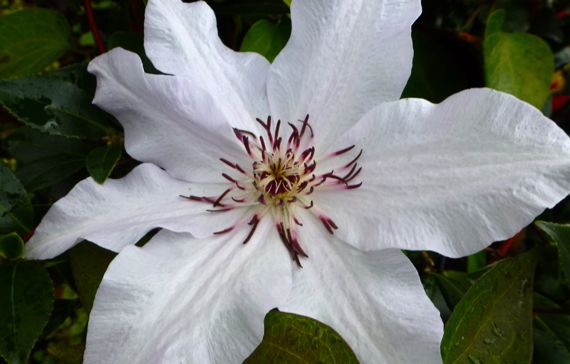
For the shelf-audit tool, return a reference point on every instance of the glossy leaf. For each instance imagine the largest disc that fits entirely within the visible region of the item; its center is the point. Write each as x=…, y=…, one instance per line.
x=88, y=264
x=293, y=339
x=45, y=160
x=26, y=301
x=435, y=294
x=102, y=160
x=453, y=286
x=267, y=38
x=493, y=321
x=551, y=332
x=30, y=40
x=54, y=104
x=559, y=235
x=16, y=212
x=518, y=63
x=11, y=246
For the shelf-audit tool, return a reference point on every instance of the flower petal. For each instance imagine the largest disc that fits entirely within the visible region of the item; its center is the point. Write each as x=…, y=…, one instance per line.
x=179, y=299
x=452, y=177
x=120, y=212
x=182, y=39
x=169, y=121
x=374, y=300
x=342, y=59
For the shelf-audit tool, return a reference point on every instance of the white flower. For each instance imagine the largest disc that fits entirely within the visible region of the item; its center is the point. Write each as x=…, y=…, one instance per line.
x=350, y=176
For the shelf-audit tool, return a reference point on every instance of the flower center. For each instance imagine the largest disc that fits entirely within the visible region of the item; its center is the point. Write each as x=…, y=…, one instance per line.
x=282, y=179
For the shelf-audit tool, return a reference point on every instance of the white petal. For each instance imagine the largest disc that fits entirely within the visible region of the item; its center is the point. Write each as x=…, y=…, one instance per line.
x=120, y=212
x=452, y=177
x=169, y=121
x=181, y=300
x=182, y=39
x=374, y=300
x=342, y=59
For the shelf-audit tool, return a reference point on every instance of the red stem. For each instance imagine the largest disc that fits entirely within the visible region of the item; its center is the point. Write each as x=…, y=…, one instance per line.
x=93, y=26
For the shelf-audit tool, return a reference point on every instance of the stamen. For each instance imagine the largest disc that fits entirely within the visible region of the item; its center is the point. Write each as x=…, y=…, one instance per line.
x=281, y=179
x=246, y=145
x=231, y=179
x=276, y=137
x=354, y=160
x=220, y=210
x=342, y=151
x=199, y=199
x=254, y=222
x=225, y=231
x=351, y=187
x=329, y=224
x=217, y=202
x=233, y=165
x=239, y=132
x=309, y=206
x=353, y=176
x=306, y=125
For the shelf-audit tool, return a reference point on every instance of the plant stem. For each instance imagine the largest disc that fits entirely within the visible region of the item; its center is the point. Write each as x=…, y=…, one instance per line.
x=93, y=26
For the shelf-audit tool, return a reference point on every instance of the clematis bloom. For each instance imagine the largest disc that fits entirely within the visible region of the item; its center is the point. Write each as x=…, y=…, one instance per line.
x=293, y=185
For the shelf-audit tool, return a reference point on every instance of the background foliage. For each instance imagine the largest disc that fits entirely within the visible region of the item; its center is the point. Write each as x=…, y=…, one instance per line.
x=507, y=304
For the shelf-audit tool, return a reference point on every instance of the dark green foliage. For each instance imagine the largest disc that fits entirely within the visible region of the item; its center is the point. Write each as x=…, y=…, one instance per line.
x=26, y=300
x=292, y=339
x=88, y=264
x=31, y=40
x=102, y=160
x=551, y=332
x=46, y=159
x=559, y=235
x=11, y=246
x=54, y=104
x=15, y=208
x=493, y=321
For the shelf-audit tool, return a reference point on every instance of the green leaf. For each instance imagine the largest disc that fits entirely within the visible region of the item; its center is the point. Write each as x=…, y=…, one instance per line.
x=88, y=264
x=551, y=332
x=453, y=286
x=559, y=235
x=11, y=246
x=518, y=63
x=16, y=212
x=433, y=291
x=267, y=38
x=101, y=161
x=292, y=339
x=26, y=301
x=30, y=40
x=44, y=160
x=493, y=321
x=56, y=105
